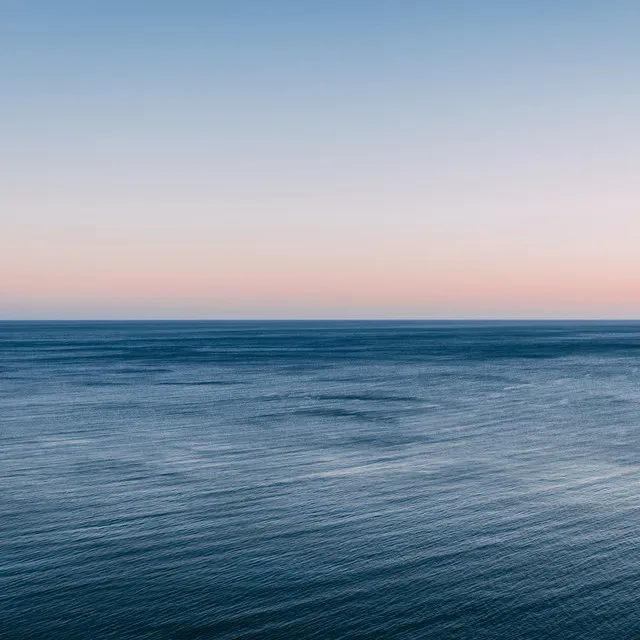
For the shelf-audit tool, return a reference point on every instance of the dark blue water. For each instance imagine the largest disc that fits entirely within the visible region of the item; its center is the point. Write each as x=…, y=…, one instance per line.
x=319, y=480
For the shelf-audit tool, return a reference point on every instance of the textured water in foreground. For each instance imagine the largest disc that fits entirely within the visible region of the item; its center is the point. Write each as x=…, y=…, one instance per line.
x=319, y=480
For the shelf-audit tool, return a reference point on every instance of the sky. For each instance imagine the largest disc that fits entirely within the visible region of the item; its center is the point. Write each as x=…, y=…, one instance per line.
x=321, y=159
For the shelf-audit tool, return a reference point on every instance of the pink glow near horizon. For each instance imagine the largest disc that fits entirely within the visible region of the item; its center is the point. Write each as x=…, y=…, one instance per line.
x=317, y=282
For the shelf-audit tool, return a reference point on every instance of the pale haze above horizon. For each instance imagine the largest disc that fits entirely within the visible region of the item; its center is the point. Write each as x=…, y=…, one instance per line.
x=334, y=159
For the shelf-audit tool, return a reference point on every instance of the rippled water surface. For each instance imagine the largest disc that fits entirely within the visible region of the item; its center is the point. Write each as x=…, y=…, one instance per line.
x=319, y=480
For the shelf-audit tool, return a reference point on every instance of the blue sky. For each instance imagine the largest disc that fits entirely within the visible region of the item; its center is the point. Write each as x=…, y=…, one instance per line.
x=326, y=159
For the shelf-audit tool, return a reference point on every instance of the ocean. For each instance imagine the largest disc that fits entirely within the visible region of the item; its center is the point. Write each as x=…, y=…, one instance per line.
x=236, y=480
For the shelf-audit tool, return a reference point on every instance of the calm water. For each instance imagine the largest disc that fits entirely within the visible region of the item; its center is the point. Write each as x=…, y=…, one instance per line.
x=319, y=480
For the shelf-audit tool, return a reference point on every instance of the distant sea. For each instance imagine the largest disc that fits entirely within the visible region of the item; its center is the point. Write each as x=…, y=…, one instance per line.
x=322, y=480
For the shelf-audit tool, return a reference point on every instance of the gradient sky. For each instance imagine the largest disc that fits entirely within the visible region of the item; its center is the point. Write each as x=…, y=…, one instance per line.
x=256, y=159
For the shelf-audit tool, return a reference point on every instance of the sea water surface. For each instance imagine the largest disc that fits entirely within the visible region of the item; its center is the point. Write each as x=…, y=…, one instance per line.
x=319, y=480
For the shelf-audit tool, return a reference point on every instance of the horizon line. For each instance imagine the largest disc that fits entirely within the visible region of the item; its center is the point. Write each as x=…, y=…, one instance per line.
x=336, y=319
